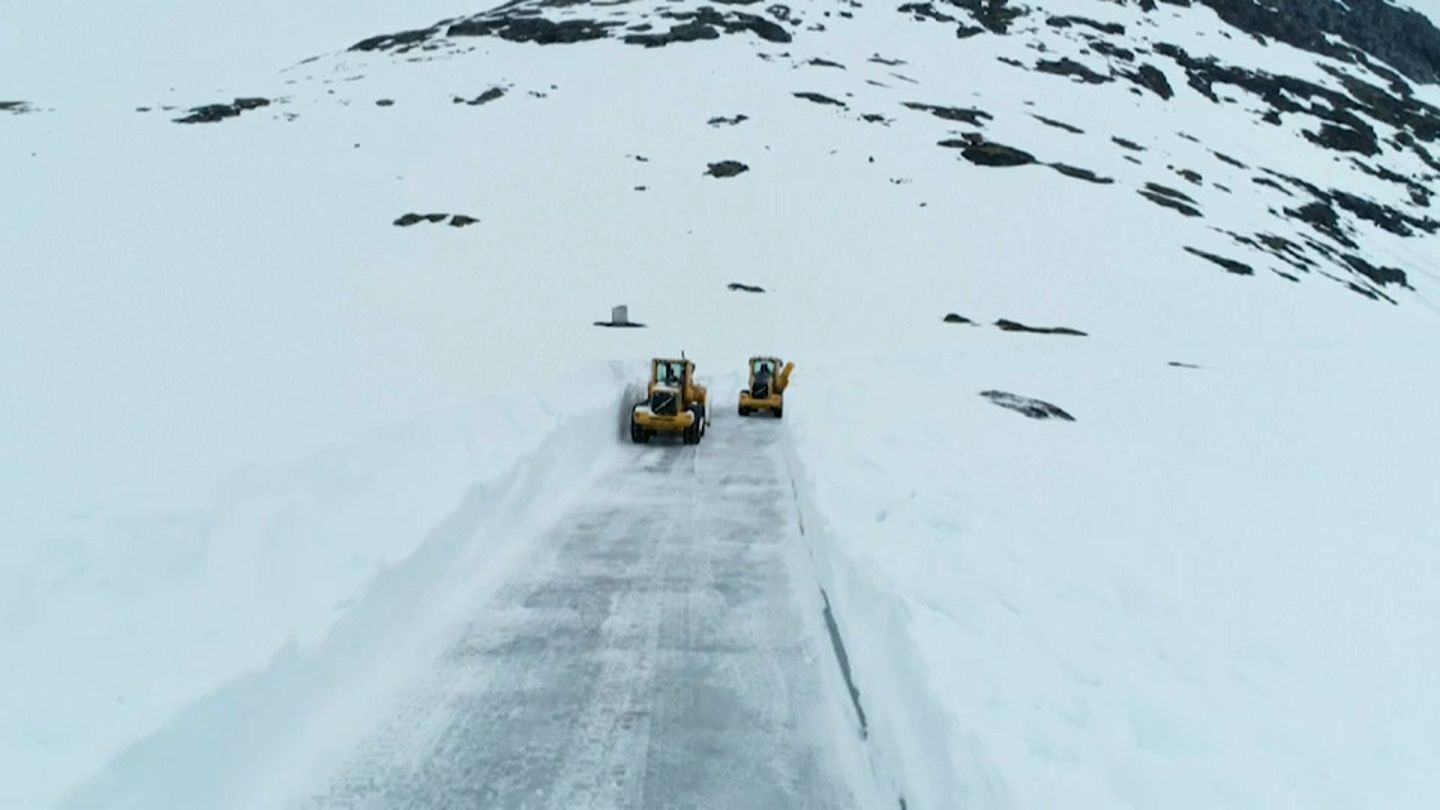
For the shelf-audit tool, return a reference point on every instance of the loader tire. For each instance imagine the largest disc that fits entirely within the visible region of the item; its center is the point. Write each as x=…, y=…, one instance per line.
x=779, y=411
x=638, y=435
x=744, y=411
x=691, y=435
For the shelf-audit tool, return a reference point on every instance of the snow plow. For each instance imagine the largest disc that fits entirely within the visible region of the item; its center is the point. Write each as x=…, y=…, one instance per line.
x=674, y=404
x=766, y=392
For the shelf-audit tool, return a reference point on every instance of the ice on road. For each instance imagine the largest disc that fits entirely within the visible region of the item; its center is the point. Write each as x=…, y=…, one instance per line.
x=655, y=650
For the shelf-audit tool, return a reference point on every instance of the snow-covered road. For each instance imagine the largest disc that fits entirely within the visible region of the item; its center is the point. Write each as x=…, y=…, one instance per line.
x=656, y=648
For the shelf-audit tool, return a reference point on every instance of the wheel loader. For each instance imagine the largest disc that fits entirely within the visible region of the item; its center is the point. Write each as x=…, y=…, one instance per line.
x=674, y=403
x=766, y=392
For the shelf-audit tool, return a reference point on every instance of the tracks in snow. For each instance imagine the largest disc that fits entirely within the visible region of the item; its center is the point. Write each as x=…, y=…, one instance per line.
x=654, y=650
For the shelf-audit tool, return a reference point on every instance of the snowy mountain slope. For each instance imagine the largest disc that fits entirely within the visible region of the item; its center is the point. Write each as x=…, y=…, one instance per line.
x=1208, y=567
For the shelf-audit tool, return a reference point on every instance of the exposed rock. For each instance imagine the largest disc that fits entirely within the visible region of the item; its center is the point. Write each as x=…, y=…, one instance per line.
x=954, y=317
x=819, y=98
x=1081, y=174
x=401, y=40
x=16, y=107
x=385, y=102
x=214, y=113
x=995, y=15
x=1224, y=158
x=1265, y=181
x=921, y=12
x=1131, y=145
x=1051, y=122
x=1015, y=326
x=1069, y=67
x=719, y=120
x=968, y=115
x=532, y=29
x=726, y=168
x=1033, y=408
x=1166, y=191
x=462, y=221
x=1345, y=139
x=1178, y=364
x=1112, y=50
x=1324, y=219
x=1104, y=28
x=818, y=62
x=407, y=220
x=1343, y=114
x=707, y=23
x=1379, y=275
x=1166, y=202
x=1382, y=216
x=1230, y=265
x=987, y=153
x=484, y=98
x=1151, y=78
x=1397, y=35
x=749, y=288
x=1419, y=193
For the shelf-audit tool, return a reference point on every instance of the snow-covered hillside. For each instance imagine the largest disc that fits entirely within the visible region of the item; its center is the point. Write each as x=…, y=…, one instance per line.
x=254, y=398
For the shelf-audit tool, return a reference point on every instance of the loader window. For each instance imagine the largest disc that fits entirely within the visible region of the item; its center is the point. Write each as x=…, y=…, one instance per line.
x=669, y=373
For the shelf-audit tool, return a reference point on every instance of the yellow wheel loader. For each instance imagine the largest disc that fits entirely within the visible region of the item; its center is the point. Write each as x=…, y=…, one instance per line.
x=674, y=404
x=768, y=381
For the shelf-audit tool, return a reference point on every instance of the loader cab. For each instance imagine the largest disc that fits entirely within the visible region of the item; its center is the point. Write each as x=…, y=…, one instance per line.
x=764, y=367
x=762, y=375
x=670, y=373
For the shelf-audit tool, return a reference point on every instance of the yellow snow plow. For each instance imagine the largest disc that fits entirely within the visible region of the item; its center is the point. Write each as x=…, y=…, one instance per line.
x=766, y=392
x=674, y=404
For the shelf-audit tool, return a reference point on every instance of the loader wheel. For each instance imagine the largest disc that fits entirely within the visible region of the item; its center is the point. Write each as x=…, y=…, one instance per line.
x=779, y=411
x=638, y=434
x=744, y=411
x=691, y=435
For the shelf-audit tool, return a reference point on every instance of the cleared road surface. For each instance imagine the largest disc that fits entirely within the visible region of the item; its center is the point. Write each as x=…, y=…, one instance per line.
x=655, y=651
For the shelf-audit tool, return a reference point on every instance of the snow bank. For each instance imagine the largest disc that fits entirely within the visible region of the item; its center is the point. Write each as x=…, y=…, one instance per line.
x=1214, y=588
x=270, y=563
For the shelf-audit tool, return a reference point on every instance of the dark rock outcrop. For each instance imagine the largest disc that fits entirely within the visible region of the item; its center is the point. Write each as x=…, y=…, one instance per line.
x=1230, y=265
x=1081, y=174
x=1033, y=408
x=721, y=120
x=968, y=115
x=456, y=220
x=1007, y=325
x=726, y=168
x=214, y=113
x=1051, y=122
x=1069, y=67
x=987, y=153
x=1169, y=198
x=820, y=98
x=484, y=98
x=1402, y=37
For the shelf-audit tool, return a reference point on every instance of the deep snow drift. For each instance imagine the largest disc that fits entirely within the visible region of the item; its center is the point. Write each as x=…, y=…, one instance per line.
x=237, y=396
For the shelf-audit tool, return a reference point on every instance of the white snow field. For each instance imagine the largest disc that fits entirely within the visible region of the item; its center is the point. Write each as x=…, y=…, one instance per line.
x=267, y=461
